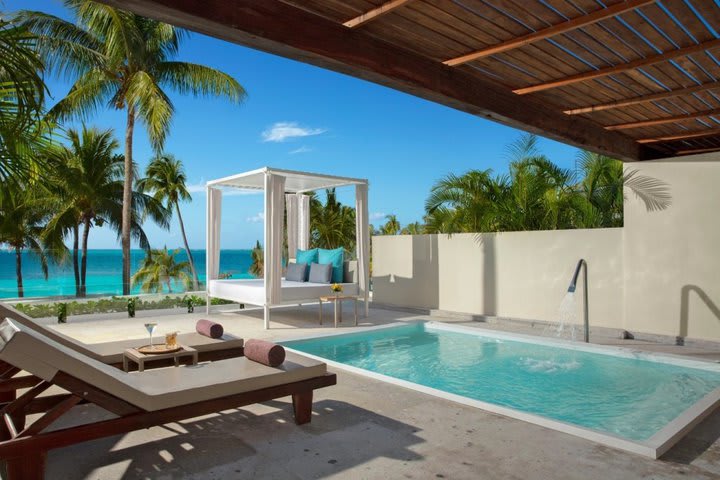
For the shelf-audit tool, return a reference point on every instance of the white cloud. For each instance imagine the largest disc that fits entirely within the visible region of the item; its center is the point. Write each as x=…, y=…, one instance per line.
x=256, y=218
x=302, y=149
x=377, y=216
x=282, y=131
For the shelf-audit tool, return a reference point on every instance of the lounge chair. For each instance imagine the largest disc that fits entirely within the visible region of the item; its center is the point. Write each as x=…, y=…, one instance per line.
x=209, y=349
x=138, y=399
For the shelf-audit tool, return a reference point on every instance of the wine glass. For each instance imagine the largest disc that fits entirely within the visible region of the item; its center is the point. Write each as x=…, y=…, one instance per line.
x=150, y=327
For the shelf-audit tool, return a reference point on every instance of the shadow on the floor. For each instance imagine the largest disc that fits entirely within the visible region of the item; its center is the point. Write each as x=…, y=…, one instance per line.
x=697, y=442
x=240, y=444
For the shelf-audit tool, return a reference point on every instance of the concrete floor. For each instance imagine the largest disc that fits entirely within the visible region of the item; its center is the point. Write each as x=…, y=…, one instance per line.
x=361, y=428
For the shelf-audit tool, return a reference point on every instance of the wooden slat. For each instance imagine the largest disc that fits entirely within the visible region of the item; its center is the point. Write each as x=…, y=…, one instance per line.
x=683, y=136
x=375, y=13
x=694, y=151
x=660, y=121
x=50, y=416
x=603, y=72
x=282, y=29
x=643, y=99
x=563, y=27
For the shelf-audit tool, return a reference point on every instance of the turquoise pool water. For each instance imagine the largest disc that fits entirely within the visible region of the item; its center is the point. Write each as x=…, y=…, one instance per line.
x=630, y=397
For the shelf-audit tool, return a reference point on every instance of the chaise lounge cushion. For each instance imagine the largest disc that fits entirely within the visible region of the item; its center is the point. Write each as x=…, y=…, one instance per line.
x=154, y=389
x=112, y=352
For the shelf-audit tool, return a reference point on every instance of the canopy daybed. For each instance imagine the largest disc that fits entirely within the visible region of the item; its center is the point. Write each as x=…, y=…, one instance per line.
x=284, y=190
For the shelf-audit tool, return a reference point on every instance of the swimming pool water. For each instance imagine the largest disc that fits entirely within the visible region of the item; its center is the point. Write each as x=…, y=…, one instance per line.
x=630, y=397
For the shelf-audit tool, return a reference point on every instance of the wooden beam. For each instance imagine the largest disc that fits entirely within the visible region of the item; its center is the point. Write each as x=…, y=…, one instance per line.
x=663, y=120
x=603, y=72
x=683, y=136
x=563, y=27
x=643, y=99
x=375, y=13
x=697, y=150
x=283, y=29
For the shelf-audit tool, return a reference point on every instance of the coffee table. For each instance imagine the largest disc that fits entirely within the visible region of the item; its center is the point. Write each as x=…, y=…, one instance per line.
x=132, y=354
x=337, y=301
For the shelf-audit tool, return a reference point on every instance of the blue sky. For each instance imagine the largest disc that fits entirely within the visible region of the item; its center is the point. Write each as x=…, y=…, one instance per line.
x=400, y=143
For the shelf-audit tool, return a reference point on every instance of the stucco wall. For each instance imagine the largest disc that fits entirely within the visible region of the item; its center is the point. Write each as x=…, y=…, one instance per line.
x=659, y=274
x=514, y=274
x=672, y=257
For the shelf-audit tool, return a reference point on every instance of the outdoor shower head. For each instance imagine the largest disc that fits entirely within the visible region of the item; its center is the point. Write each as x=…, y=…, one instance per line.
x=573, y=282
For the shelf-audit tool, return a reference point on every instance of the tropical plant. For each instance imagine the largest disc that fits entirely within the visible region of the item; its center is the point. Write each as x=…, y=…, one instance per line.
x=87, y=182
x=160, y=268
x=22, y=218
x=257, y=267
x=126, y=62
x=165, y=178
x=415, y=228
x=536, y=194
x=332, y=224
x=22, y=93
x=391, y=226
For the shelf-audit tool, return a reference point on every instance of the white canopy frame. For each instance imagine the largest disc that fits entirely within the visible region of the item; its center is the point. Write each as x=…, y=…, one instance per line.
x=276, y=184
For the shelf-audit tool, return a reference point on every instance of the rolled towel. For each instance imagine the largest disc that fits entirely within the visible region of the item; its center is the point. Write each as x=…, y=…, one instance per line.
x=209, y=328
x=267, y=353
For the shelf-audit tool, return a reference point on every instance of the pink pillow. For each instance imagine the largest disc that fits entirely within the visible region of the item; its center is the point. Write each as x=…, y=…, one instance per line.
x=267, y=353
x=209, y=328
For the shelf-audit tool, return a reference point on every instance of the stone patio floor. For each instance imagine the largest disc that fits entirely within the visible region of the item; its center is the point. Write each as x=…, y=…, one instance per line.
x=362, y=428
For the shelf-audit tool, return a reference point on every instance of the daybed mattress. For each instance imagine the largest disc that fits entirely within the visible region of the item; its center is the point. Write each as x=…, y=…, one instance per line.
x=252, y=291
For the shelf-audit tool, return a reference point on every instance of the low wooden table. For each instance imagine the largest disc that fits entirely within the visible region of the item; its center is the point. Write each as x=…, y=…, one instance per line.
x=132, y=354
x=337, y=301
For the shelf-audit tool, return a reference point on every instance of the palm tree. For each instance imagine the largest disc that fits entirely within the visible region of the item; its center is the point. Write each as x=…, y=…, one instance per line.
x=165, y=177
x=465, y=203
x=22, y=216
x=22, y=92
x=332, y=224
x=88, y=186
x=415, y=228
x=391, y=227
x=257, y=268
x=160, y=268
x=126, y=62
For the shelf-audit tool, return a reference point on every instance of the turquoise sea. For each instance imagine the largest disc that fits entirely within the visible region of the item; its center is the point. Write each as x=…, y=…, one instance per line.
x=104, y=272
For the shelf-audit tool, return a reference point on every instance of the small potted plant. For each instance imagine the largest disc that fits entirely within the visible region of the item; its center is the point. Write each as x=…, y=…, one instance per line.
x=131, y=307
x=336, y=288
x=61, y=311
x=190, y=305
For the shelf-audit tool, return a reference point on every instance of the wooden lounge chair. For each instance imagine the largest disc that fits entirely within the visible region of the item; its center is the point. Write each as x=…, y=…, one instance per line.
x=209, y=349
x=138, y=399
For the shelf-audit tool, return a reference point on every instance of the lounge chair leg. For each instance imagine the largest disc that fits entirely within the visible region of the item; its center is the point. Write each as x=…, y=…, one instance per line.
x=30, y=466
x=302, y=406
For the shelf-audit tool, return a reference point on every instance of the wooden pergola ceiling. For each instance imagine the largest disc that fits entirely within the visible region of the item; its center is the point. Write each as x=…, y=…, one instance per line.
x=635, y=79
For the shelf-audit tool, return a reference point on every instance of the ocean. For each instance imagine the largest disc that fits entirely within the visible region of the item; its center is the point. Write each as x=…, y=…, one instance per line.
x=104, y=272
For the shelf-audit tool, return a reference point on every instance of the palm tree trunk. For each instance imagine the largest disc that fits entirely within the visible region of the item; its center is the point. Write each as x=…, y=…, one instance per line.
x=127, y=201
x=196, y=283
x=76, y=265
x=83, y=266
x=18, y=272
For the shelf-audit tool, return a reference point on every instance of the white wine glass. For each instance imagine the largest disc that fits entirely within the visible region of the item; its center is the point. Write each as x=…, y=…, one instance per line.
x=150, y=327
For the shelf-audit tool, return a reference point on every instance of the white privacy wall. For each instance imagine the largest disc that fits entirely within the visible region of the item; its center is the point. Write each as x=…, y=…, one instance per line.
x=513, y=274
x=660, y=273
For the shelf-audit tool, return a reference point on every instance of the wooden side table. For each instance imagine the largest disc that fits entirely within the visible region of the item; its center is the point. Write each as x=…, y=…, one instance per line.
x=337, y=301
x=132, y=354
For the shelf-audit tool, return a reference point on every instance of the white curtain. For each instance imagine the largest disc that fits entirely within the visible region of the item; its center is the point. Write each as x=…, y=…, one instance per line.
x=362, y=237
x=303, y=231
x=291, y=205
x=274, y=211
x=212, y=256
